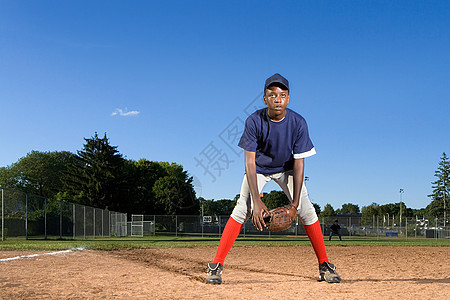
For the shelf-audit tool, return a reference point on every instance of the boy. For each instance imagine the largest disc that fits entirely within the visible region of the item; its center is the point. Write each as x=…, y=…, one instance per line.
x=275, y=143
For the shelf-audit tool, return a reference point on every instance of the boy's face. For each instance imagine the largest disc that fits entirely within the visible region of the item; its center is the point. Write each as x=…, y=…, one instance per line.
x=276, y=100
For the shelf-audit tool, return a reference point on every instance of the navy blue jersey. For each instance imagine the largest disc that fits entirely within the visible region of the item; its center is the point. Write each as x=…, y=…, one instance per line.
x=276, y=144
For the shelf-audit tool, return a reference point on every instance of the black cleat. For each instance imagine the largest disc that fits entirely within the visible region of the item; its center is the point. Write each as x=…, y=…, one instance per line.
x=214, y=273
x=328, y=273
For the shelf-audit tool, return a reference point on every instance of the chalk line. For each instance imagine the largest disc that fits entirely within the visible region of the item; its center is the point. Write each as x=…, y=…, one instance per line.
x=41, y=254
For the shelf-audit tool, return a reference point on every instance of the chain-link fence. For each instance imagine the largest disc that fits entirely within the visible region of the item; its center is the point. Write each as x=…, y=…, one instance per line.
x=206, y=226
x=407, y=227
x=350, y=227
x=34, y=217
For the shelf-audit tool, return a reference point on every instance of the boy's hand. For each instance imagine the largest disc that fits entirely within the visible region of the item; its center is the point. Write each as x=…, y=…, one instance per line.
x=281, y=218
x=295, y=204
x=259, y=209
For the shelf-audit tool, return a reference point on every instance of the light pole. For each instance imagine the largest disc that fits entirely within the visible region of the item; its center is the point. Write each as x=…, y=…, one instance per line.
x=305, y=180
x=401, y=192
x=445, y=207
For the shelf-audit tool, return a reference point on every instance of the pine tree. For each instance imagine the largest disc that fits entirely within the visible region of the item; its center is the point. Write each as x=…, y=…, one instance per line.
x=441, y=188
x=97, y=174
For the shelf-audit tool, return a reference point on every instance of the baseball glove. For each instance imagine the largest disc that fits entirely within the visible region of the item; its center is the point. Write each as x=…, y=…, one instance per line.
x=280, y=218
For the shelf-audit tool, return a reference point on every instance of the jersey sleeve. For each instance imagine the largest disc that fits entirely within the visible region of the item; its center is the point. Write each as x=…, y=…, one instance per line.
x=303, y=146
x=248, y=139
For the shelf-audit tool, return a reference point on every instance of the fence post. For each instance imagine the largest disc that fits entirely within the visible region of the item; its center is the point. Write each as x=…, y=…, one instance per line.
x=84, y=221
x=94, y=222
x=102, y=221
x=323, y=226
x=415, y=228
x=60, y=219
x=373, y=221
x=74, y=220
x=26, y=216
x=45, y=217
x=109, y=223
x=378, y=228
x=406, y=227
x=3, y=214
x=436, y=230
x=350, y=226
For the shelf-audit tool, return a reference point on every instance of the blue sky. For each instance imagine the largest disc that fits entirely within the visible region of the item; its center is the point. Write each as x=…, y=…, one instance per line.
x=174, y=80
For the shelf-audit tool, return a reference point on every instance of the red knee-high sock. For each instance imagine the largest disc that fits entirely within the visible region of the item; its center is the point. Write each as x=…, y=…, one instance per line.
x=314, y=233
x=229, y=235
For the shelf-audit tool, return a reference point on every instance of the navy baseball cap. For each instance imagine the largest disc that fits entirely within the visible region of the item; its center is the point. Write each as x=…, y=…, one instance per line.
x=277, y=79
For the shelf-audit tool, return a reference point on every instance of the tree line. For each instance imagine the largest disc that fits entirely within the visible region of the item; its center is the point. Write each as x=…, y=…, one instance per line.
x=392, y=212
x=388, y=213
x=99, y=176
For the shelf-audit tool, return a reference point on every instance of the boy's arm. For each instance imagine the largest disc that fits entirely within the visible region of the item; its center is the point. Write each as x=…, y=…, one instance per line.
x=258, y=206
x=299, y=168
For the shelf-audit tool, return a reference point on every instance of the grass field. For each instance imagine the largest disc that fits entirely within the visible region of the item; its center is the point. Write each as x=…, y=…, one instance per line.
x=188, y=242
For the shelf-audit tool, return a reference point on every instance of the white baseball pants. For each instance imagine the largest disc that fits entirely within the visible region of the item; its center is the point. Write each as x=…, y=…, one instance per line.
x=243, y=209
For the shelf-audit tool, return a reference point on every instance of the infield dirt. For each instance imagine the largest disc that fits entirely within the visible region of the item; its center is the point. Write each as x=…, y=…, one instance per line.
x=249, y=273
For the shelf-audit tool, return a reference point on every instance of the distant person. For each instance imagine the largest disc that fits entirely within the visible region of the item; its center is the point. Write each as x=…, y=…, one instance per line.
x=335, y=230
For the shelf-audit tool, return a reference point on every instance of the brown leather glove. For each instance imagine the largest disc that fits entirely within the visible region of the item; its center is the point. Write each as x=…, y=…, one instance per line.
x=280, y=218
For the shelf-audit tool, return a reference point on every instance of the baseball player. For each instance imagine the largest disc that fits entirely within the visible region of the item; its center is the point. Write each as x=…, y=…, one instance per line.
x=335, y=230
x=275, y=142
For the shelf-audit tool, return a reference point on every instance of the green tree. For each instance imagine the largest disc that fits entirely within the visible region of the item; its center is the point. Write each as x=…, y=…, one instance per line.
x=40, y=173
x=389, y=212
x=328, y=211
x=367, y=213
x=390, y=208
x=275, y=199
x=328, y=215
x=8, y=177
x=236, y=198
x=418, y=213
x=142, y=178
x=441, y=189
x=96, y=177
x=434, y=210
x=224, y=207
x=316, y=208
x=174, y=192
x=209, y=207
x=348, y=209
x=402, y=211
x=202, y=202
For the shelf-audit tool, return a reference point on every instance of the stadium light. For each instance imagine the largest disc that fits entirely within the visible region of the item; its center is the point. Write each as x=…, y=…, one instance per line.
x=401, y=192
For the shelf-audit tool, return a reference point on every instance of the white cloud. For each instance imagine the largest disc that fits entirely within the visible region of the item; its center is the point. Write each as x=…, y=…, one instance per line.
x=125, y=113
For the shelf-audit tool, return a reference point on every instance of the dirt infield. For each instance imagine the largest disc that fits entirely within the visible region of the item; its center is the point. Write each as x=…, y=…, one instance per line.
x=249, y=273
